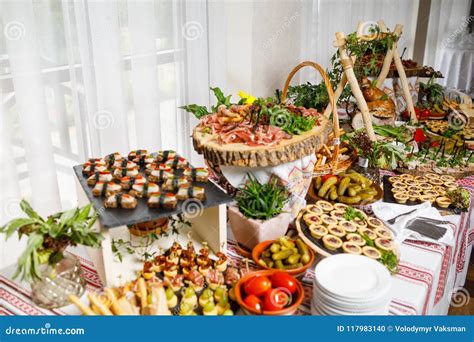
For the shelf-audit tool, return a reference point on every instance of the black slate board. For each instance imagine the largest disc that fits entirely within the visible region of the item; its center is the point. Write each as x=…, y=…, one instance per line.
x=116, y=217
x=317, y=242
x=388, y=197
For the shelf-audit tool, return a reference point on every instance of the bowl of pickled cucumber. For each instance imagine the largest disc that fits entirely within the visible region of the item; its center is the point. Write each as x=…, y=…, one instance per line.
x=349, y=187
x=291, y=256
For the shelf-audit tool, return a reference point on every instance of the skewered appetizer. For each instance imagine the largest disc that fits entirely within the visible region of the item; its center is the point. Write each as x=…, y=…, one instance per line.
x=198, y=174
x=175, y=182
x=123, y=164
x=144, y=159
x=165, y=155
x=136, y=154
x=124, y=201
x=144, y=190
x=125, y=172
x=99, y=176
x=350, y=233
x=188, y=191
x=93, y=165
x=111, y=158
x=128, y=182
x=162, y=200
x=106, y=189
x=176, y=162
x=160, y=175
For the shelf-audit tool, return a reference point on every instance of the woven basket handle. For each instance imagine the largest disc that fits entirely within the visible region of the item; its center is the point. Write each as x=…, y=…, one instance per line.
x=332, y=102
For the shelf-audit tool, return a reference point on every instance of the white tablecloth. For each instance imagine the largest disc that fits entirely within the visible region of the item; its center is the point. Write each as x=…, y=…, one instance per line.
x=457, y=66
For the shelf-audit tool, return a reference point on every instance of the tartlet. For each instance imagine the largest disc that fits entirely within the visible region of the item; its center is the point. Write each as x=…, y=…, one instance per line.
x=394, y=179
x=415, y=188
x=368, y=232
x=337, y=231
x=384, y=244
x=356, y=239
x=332, y=242
x=406, y=176
x=430, y=192
x=413, y=195
x=374, y=223
x=383, y=233
x=443, y=201
x=339, y=215
x=340, y=206
x=351, y=248
x=359, y=223
x=399, y=185
x=310, y=219
x=435, y=181
x=420, y=179
x=450, y=186
x=440, y=190
x=427, y=198
x=348, y=226
x=432, y=176
x=314, y=209
x=329, y=220
x=425, y=186
x=325, y=205
x=447, y=178
x=371, y=252
x=318, y=231
x=401, y=197
x=398, y=190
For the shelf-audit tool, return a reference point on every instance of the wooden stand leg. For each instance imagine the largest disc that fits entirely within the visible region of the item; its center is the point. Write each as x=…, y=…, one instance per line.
x=389, y=56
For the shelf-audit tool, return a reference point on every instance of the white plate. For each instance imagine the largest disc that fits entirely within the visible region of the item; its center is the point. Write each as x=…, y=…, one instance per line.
x=343, y=301
x=352, y=276
x=324, y=310
x=356, y=309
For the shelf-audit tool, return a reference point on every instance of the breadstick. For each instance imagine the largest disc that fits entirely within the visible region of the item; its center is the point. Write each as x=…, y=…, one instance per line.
x=116, y=309
x=318, y=162
x=143, y=293
x=98, y=303
x=83, y=307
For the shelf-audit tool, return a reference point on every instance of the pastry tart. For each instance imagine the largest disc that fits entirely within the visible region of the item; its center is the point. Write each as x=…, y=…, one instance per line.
x=383, y=244
x=383, y=233
x=359, y=223
x=351, y=248
x=450, y=186
x=329, y=220
x=368, y=232
x=318, y=231
x=338, y=215
x=361, y=212
x=425, y=186
x=332, y=242
x=340, y=206
x=394, y=179
x=326, y=206
x=432, y=176
x=337, y=231
x=401, y=197
x=406, y=176
x=413, y=195
x=348, y=226
x=371, y=252
x=441, y=190
x=399, y=185
x=374, y=223
x=435, y=181
x=414, y=188
x=443, y=201
x=447, y=178
x=398, y=190
x=314, y=209
x=427, y=198
x=430, y=192
x=356, y=239
x=420, y=179
x=310, y=219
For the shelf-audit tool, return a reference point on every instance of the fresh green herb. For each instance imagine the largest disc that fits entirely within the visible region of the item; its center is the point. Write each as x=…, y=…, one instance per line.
x=430, y=94
x=261, y=201
x=309, y=96
x=459, y=198
x=197, y=110
x=48, y=238
x=350, y=214
x=221, y=99
x=387, y=258
x=400, y=133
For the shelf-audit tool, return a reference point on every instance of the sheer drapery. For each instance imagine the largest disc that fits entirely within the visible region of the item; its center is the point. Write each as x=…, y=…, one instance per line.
x=85, y=78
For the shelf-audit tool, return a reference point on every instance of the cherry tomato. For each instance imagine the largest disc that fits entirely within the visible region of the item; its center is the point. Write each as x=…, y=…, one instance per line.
x=253, y=302
x=284, y=280
x=258, y=286
x=425, y=113
x=326, y=177
x=275, y=299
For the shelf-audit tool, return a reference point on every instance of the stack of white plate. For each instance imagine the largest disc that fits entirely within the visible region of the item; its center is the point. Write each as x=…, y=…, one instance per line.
x=347, y=284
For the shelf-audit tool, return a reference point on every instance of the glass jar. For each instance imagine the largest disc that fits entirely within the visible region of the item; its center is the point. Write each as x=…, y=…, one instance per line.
x=58, y=283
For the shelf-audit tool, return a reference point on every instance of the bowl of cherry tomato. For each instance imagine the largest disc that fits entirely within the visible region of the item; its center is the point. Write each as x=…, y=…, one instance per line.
x=269, y=292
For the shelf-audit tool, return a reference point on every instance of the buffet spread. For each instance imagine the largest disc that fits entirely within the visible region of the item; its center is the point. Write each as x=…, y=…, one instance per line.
x=389, y=201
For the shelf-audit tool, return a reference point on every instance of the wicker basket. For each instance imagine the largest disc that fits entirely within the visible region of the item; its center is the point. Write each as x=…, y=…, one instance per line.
x=333, y=165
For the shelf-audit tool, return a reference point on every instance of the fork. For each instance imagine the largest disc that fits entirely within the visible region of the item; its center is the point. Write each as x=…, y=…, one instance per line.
x=394, y=219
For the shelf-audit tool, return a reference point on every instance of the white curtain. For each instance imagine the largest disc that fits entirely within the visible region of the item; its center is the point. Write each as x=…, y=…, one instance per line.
x=83, y=78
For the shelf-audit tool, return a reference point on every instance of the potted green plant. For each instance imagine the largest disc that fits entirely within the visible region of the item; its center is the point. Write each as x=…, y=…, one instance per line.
x=53, y=274
x=259, y=214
